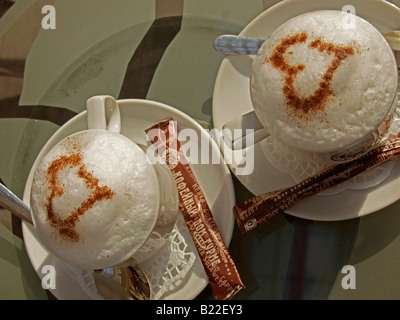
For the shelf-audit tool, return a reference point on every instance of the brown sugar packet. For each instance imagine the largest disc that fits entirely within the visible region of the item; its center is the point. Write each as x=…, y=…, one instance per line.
x=264, y=207
x=224, y=278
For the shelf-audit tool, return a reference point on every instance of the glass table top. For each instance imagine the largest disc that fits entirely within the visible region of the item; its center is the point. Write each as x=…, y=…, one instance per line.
x=163, y=51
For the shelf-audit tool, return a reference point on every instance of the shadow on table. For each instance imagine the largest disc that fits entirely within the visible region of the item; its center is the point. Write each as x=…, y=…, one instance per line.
x=293, y=258
x=375, y=232
x=19, y=279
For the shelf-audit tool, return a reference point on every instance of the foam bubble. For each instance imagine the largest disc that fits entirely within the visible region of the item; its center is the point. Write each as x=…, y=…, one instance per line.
x=94, y=198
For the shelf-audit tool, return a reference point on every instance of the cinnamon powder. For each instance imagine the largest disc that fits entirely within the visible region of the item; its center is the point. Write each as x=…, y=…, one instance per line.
x=66, y=227
x=316, y=101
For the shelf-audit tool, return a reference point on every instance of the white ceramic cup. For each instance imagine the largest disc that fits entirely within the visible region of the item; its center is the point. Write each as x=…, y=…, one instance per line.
x=103, y=113
x=245, y=131
x=92, y=214
x=320, y=86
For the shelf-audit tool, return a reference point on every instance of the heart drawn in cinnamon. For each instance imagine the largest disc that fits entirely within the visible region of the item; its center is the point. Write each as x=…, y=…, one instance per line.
x=314, y=102
x=66, y=227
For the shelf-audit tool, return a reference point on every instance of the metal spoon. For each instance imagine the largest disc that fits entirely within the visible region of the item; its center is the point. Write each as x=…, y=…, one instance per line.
x=231, y=44
x=112, y=283
x=15, y=205
x=122, y=283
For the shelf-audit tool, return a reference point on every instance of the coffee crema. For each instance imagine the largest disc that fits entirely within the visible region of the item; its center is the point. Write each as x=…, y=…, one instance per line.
x=320, y=86
x=95, y=199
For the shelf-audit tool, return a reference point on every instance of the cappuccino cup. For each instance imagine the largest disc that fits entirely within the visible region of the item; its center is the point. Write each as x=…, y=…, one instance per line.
x=320, y=86
x=96, y=199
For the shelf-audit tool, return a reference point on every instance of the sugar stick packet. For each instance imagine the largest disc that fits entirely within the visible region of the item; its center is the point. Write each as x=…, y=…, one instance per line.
x=224, y=278
x=264, y=207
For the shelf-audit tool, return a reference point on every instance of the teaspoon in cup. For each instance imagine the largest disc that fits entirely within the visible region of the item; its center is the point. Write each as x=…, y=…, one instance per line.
x=121, y=283
x=12, y=203
x=112, y=283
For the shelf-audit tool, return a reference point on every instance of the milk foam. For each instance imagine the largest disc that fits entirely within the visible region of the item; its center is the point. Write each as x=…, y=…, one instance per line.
x=121, y=215
x=357, y=97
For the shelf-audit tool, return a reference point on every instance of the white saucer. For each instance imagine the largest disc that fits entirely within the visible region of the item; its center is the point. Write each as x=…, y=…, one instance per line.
x=231, y=99
x=215, y=180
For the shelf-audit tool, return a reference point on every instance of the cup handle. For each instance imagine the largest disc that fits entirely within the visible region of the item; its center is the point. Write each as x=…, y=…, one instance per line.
x=103, y=113
x=236, y=132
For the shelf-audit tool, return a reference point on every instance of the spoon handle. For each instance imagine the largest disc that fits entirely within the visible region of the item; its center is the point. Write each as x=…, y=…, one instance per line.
x=231, y=44
x=11, y=202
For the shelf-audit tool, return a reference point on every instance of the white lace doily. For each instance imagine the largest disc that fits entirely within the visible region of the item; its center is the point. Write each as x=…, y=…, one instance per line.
x=165, y=271
x=167, y=268
x=301, y=165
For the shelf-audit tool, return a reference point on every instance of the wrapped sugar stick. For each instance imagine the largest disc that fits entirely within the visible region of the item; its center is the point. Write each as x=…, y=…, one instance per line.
x=264, y=207
x=223, y=276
